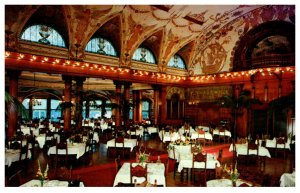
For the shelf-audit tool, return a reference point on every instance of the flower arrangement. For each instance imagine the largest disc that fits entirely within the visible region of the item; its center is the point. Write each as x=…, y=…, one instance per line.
x=233, y=173
x=197, y=149
x=142, y=156
x=42, y=175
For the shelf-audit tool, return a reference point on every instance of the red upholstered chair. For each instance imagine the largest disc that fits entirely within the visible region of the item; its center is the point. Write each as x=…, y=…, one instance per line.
x=199, y=172
x=137, y=171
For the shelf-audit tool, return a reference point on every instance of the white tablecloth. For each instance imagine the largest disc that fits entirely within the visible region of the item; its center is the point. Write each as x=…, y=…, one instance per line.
x=156, y=171
x=224, y=183
x=207, y=135
x=41, y=139
x=217, y=132
x=131, y=143
x=287, y=180
x=186, y=161
x=13, y=155
x=205, y=128
x=271, y=143
x=26, y=130
x=241, y=149
x=96, y=137
x=181, y=131
x=179, y=149
x=167, y=136
x=47, y=183
x=152, y=130
x=77, y=149
x=137, y=132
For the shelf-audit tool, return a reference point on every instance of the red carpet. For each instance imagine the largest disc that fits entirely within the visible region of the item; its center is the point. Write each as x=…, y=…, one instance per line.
x=103, y=175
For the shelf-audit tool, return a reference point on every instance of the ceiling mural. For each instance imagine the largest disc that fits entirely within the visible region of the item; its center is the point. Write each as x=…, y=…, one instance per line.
x=228, y=36
x=209, y=32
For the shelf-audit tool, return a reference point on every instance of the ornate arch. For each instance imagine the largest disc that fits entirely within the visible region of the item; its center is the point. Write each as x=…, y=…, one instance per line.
x=245, y=46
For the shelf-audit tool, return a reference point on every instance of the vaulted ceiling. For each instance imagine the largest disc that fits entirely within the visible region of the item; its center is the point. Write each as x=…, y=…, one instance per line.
x=205, y=36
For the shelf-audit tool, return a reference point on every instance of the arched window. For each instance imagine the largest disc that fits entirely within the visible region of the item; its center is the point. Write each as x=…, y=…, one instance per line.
x=101, y=46
x=144, y=55
x=145, y=109
x=177, y=62
x=43, y=34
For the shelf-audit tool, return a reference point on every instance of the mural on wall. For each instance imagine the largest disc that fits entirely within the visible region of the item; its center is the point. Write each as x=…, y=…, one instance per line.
x=175, y=90
x=207, y=94
x=234, y=29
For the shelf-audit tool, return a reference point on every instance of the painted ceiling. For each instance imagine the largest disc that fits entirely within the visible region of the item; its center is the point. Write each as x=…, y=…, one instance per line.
x=204, y=35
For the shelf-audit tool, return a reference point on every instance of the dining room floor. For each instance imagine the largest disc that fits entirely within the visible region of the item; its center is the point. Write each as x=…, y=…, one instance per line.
x=269, y=175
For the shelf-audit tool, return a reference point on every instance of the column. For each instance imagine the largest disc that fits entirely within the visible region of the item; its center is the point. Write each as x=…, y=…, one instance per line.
x=126, y=102
x=79, y=101
x=163, y=104
x=134, y=97
x=139, y=106
x=118, y=101
x=156, y=100
x=12, y=114
x=48, y=116
x=67, y=100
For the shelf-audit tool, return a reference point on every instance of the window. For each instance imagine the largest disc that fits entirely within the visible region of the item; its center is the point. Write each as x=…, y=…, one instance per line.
x=95, y=111
x=101, y=46
x=39, y=111
x=144, y=55
x=26, y=104
x=44, y=35
x=55, y=115
x=145, y=109
x=108, y=110
x=177, y=62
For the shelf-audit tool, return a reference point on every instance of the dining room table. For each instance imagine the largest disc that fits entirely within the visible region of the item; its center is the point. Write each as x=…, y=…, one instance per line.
x=13, y=155
x=241, y=149
x=48, y=183
x=155, y=174
x=77, y=149
x=166, y=136
x=186, y=161
x=226, y=183
x=288, y=179
x=129, y=143
x=217, y=132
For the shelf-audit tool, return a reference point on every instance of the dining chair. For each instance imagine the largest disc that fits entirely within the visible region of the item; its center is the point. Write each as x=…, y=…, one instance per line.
x=15, y=180
x=222, y=136
x=280, y=141
x=23, y=158
x=119, y=150
x=61, y=159
x=218, y=171
x=250, y=157
x=197, y=171
x=201, y=139
x=137, y=171
x=132, y=132
x=118, y=164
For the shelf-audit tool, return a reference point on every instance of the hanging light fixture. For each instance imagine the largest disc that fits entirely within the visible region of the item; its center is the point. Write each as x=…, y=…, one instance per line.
x=33, y=100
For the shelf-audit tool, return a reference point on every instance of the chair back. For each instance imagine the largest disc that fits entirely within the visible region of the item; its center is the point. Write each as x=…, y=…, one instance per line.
x=138, y=171
x=119, y=140
x=118, y=164
x=218, y=171
x=252, y=146
x=24, y=152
